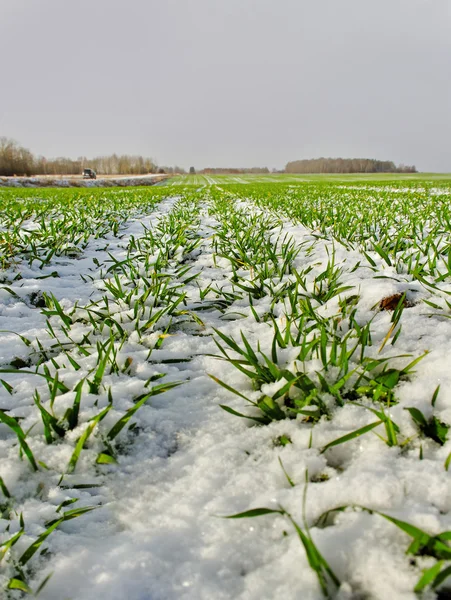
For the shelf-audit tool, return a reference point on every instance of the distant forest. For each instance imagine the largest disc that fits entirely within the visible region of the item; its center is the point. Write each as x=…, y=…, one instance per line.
x=234, y=171
x=346, y=165
x=15, y=160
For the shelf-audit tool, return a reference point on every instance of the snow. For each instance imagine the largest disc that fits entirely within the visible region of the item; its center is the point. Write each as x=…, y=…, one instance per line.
x=158, y=531
x=65, y=182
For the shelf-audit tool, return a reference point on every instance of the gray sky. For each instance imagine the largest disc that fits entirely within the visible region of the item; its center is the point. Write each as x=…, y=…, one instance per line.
x=229, y=82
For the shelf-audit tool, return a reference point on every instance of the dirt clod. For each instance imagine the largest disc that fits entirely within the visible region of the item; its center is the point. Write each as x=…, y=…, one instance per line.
x=391, y=302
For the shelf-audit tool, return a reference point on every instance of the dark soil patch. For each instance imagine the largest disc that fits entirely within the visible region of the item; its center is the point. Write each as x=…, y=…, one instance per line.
x=37, y=299
x=19, y=363
x=391, y=302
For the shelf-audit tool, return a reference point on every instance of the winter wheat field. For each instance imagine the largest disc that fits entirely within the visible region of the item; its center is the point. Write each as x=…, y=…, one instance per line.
x=226, y=388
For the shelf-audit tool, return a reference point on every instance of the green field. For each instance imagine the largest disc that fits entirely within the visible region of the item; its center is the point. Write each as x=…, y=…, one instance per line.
x=273, y=349
x=283, y=178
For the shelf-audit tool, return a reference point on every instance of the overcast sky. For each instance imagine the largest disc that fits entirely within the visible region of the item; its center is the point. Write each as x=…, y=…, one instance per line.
x=229, y=82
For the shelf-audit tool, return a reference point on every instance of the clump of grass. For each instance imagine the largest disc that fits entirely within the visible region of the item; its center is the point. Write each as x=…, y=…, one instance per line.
x=327, y=579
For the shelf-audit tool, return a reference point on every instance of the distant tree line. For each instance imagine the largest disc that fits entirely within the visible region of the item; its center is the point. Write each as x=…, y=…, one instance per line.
x=233, y=171
x=172, y=170
x=346, y=165
x=15, y=160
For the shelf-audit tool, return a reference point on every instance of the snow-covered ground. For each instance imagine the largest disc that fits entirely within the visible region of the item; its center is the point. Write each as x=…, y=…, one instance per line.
x=68, y=181
x=157, y=531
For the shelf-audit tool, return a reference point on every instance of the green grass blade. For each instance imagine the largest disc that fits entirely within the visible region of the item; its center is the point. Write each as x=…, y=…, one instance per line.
x=351, y=436
x=18, y=584
x=254, y=512
x=261, y=420
x=428, y=577
x=84, y=438
x=34, y=547
x=14, y=425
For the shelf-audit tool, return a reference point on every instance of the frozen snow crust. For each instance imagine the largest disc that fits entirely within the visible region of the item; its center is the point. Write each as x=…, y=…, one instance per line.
x=76, y=181
x=316, y=315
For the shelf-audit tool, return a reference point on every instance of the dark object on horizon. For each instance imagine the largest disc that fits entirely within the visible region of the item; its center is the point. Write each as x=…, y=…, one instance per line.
x=161, y=171
x=192, y=171
x=89, y=174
